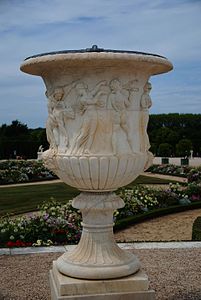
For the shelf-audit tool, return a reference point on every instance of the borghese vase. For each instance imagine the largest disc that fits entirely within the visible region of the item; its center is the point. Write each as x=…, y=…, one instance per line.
x=98, y=102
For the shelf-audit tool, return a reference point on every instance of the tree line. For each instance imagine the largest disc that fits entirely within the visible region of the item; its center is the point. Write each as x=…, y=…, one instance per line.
x=169, y=134
x=175, y=134
x=17, y=140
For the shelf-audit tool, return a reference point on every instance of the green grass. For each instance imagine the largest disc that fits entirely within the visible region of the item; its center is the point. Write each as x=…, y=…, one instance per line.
x=143, y=179
x=17, y=200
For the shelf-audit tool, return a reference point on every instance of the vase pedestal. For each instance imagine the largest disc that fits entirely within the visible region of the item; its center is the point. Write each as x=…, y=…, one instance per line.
x=98, y=268
x=97, y=256
x=133, y=287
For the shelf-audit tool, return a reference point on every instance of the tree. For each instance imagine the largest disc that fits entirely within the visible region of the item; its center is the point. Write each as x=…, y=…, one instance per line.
x=171, y=128
x=37, y=138
x=165, y=149
x=14, y=139
x=18, y=139
x=16, y=129
x=183, y=147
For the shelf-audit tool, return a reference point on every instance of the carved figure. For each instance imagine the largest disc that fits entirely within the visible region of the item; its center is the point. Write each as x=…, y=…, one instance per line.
x=132, y=88
x=88, y=102
x=145, y=104
x=56, y=132
x=70, y=97
x=119, y=101
x=51, y=125
x=102, y=140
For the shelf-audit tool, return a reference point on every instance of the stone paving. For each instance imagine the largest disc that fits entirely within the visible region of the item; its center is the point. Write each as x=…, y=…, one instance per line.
x=126, y=246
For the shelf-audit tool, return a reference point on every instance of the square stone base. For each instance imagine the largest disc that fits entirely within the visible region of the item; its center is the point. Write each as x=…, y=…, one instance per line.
x=133, y=287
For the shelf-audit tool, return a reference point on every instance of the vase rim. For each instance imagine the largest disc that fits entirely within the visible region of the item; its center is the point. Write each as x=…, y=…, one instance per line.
x=95, y=49
x=94, y=57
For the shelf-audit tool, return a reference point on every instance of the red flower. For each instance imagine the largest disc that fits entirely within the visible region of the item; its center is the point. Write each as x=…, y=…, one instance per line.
x=28, y=244
x=59, y=231
x=10, y=244
x=18, y=243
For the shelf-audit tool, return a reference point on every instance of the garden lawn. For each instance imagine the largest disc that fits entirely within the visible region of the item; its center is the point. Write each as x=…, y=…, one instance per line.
x=17, y=200
x=143, y=179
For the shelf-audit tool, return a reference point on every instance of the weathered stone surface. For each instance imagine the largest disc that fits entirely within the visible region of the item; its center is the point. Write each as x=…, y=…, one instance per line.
x=98, y=115
x=132, y=287
x=98, y=112
x=97, y=255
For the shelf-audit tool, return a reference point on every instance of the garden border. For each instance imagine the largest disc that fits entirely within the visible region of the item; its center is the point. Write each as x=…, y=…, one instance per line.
x=132, y=220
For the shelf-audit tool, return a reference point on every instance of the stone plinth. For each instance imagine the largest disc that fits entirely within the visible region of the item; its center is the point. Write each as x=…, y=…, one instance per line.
x=135, y=287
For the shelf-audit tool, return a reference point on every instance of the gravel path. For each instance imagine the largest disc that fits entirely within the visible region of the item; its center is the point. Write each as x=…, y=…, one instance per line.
x=169, y=177
x=173, y=274
x=31, y=183
x=174, y=227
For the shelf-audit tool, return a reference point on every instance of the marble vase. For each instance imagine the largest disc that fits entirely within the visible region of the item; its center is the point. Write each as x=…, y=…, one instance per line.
x=98, y=112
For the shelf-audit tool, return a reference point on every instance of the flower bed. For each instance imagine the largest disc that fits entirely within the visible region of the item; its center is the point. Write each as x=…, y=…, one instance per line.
x=193, y=174
x=143, y=199
x=57, y=224
x=54, y=224
x=14, y=171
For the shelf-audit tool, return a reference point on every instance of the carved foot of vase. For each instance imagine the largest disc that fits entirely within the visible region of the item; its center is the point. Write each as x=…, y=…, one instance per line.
x=97, y=255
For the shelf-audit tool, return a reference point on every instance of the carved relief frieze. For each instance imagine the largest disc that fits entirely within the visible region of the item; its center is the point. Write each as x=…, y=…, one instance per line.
x=85, y=121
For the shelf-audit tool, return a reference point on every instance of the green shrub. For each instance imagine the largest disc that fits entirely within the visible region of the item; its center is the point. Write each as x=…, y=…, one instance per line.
x=173, y=170
x=196, y=233
x=167, y=198
x=194, y=175
x=193, y=191
x=14, y=171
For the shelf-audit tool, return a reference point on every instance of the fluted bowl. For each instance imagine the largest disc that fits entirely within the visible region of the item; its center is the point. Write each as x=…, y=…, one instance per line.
x=98, y=111
x=98, y=173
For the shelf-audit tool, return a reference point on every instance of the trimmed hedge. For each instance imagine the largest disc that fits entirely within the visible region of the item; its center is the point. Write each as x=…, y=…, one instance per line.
x=124, y=223
x=196, y=233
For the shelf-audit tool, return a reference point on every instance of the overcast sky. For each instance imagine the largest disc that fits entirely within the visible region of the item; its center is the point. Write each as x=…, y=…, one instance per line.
x=171, y=28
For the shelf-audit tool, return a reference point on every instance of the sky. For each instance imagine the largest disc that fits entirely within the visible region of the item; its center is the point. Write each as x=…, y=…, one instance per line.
x=169, y=28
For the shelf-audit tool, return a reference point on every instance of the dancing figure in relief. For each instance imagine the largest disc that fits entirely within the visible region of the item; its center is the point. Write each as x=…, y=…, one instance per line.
x=102, y=140
x=119, y=102
x=56, y=132
x=51, y=124
x=88, y=101
x=145, y=104
x=132, y=88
